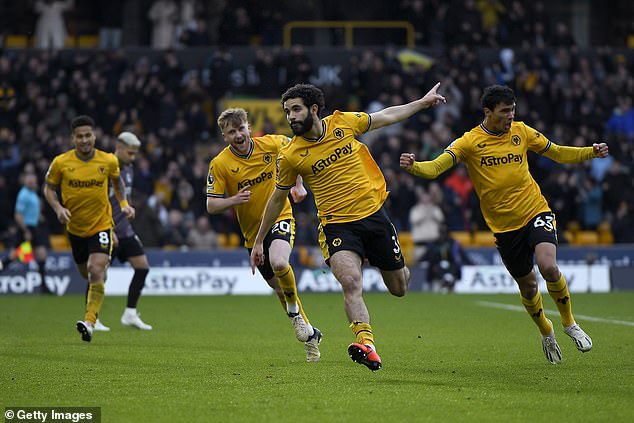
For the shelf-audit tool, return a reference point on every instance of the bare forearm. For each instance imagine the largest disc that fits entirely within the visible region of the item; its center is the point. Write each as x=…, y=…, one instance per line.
x=119, y=190
x=216, y=205
x=19, y=220
x=51, y=197
x=394, y=114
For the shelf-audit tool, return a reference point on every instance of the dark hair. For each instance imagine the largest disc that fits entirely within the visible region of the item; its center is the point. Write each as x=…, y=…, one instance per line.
x=82, y=120
x=309, y=94
x=496, y=94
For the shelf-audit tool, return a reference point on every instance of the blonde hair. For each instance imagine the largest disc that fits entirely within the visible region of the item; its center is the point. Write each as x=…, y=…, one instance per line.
x=234, y=116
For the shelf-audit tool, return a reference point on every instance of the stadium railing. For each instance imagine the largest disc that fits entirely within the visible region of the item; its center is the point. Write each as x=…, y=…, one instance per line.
x=349, y=28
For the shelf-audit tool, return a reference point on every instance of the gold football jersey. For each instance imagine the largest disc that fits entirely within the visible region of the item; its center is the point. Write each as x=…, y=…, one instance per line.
x=498, y=168
x=84, y=188
x=230, y=171
x=345, y=180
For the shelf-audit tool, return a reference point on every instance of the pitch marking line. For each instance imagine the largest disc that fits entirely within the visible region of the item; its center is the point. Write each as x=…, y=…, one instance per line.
x=581, y=316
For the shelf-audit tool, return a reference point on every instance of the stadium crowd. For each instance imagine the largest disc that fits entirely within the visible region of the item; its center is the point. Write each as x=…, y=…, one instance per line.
x=574, y=96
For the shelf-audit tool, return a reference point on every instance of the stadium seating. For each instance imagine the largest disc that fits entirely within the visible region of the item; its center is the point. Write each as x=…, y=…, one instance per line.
x=59, y=242
x=407, y=246
x=463, y=237
x=483, y=239
x=586, y=238
x=605, y=234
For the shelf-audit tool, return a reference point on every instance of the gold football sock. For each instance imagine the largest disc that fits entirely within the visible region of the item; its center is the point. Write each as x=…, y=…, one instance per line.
x=363, y=333
x=535, y=309
x=286, y=280
x=558, y=291
x=95, y=300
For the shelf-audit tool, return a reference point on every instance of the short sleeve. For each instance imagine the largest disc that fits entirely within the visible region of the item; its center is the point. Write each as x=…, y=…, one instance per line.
x=458, y=150
x=358, y=121
x=285, y=175
x=537, y=142
x=114, y=167
x=54, y=173
x=215, y=182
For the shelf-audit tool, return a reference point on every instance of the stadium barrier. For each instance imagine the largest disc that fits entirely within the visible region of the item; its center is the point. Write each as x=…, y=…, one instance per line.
x=229, y=273
x=349, y=28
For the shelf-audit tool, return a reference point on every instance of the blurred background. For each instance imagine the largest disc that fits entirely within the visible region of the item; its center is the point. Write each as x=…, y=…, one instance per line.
x=165, y=70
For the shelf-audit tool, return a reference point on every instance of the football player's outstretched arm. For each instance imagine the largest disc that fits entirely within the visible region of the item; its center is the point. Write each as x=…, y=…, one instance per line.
x=395, y=114
x=565, y=154
x=428, y=169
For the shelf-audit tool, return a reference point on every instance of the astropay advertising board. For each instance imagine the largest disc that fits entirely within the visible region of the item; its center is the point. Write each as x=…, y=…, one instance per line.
x=190, y=281
x=496, y=279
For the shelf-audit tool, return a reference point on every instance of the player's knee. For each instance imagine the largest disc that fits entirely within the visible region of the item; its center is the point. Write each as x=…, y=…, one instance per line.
x=278, y=264
x=398, y=290
x=550, y=272
x=96, y=272
x=528, y=289
x=399, y=282
x=351, y=285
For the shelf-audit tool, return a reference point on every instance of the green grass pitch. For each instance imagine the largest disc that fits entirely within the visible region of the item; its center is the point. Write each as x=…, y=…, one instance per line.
x=446, y=358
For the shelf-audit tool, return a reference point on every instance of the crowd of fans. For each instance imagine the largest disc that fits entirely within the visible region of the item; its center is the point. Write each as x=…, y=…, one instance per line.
x=573, y=96
x=437, y=23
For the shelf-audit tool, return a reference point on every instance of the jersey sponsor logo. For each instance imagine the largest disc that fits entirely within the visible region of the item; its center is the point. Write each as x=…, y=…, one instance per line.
x=323, y=163
x=305, y=154
x=236, y=170
x=482, y=145
x=515, y=139
x=250, y=182
x=486, y=161
x=78, y=183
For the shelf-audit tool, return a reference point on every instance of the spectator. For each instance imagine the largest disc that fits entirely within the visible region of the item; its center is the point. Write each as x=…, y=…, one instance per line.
x=426, y=220
x=50, y=29
x=201, y=236
x=111, y=23
x=163, y=14
x=445, y=258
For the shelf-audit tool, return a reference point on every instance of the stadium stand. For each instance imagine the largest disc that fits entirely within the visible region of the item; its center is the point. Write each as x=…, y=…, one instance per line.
x=575, y=91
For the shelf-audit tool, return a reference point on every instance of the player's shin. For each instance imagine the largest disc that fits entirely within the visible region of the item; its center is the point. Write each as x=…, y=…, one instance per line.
x=94, y=301
x=558, y=291
x=535, y=309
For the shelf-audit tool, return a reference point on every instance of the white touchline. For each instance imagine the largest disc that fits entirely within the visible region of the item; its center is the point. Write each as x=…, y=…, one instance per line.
x=581, y=316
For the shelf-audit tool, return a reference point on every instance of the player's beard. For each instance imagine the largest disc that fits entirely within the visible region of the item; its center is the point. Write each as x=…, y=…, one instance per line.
x=305, y=125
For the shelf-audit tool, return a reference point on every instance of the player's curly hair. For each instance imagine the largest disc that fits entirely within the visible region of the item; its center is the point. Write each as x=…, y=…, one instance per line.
x=309, y=94
x=81, y=120
x=496, y=94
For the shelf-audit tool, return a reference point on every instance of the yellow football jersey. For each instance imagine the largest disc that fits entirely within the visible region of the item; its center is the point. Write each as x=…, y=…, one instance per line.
x=498, y=168
x=230, y=171
x=344, y=178
x=84, y=188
